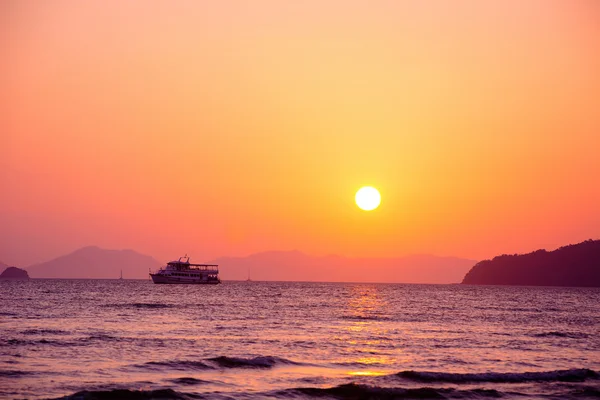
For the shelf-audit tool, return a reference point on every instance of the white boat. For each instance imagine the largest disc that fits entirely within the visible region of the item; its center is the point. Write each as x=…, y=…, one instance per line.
x=183, y=272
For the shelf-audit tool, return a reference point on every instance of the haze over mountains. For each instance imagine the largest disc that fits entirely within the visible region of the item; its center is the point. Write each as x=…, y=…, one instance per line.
x=97, y=263
x=297, y=266
x=572, y=265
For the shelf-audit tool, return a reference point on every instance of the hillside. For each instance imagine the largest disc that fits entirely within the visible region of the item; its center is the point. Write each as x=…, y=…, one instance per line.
x=573, y=265
x=94, y=262
x=297, y=266
x=14, y=273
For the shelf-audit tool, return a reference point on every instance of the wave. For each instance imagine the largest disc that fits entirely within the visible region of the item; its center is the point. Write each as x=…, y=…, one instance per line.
x=21, y=342
x=14, y=342
x=7, y=314
x=84, y=341
x=350, y=391
x=44, y=332
x=126, y=394
x=256, y=362
x=365, y=318
x=139, y=305
x=571, y=335
x=101, y=337
x=221, y=362
x=356, y=391
x=586, y=392
x=568, y=375
x=188, y=381
x=182, y=365
x=13, y=373
x=358, y=364
x=43, y=341
x=151, y=305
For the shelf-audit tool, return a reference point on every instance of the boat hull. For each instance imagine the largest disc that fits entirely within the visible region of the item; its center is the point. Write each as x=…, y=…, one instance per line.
x=162, y=279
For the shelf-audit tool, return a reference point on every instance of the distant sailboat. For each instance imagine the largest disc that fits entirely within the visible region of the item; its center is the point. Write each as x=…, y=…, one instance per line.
x=248, y=280
x=121, y=277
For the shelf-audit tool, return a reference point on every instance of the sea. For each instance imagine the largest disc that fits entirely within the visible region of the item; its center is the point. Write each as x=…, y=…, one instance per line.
x=131, y=339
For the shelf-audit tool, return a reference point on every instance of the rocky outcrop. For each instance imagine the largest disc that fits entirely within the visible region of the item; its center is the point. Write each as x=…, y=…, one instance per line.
x=14, y=273
x=573, y=265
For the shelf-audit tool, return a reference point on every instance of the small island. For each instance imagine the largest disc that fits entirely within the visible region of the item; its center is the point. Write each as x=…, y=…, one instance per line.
x=572, y=265
x=14, y=273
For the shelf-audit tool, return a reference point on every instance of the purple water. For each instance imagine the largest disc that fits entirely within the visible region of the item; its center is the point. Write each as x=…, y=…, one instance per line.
x=120, y=339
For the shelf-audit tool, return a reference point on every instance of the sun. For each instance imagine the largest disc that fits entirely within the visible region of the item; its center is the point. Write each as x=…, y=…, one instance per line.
x=367, y=198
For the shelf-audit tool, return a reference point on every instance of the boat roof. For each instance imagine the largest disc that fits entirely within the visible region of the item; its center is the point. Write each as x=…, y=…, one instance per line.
x=202, y=265
x=179, y=262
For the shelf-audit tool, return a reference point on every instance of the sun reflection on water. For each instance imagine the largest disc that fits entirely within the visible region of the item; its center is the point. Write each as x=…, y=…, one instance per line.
x=367, y=373
x=367, y=331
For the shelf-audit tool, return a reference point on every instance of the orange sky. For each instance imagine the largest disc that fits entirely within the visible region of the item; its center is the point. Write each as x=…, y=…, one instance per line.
x=231, y=127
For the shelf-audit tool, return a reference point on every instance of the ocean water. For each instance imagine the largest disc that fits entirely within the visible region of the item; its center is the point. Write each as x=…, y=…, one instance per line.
x=253, y=340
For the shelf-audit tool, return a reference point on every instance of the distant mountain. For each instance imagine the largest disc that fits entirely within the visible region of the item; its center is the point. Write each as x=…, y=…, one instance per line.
x=297, y=266
x=94, y=262
x=573, y=265
x=14, y=273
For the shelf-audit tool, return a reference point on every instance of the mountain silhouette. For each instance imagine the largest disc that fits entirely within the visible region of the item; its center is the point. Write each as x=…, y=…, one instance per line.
x=96, y=263
x=13, y=273
x=93, y=262
x=298, y=266
x=572, y=265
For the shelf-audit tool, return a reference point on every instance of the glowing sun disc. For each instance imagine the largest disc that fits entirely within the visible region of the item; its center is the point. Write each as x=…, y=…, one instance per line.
x=367, y=198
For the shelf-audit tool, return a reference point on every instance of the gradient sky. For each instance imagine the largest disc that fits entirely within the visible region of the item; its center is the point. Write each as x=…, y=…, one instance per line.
x=232, y=127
